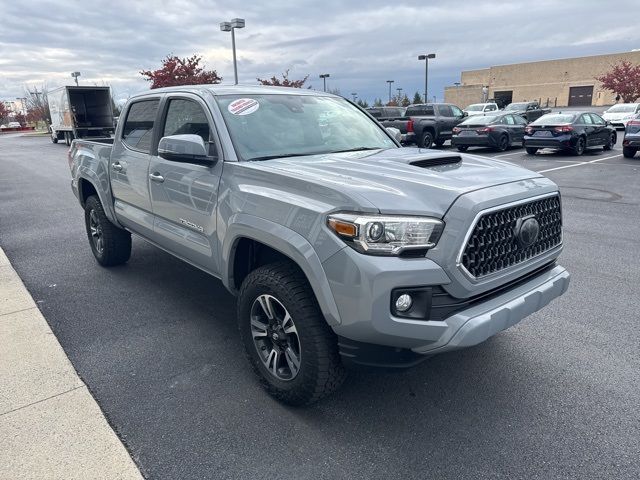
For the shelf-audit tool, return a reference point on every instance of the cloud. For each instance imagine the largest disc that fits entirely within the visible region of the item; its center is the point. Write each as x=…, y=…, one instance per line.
x=360, y=43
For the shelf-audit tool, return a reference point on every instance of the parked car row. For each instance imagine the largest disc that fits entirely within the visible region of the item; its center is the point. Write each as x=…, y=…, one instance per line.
x=572, y=131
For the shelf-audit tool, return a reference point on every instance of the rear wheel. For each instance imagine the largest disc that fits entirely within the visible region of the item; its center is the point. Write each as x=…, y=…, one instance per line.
x=463, y=148
x=110, y=245
x=610, y=142
x=580, y=146
x=531, y=150
x=629, y=152
x=426, y=140
x=286, y=338
x=503, y=143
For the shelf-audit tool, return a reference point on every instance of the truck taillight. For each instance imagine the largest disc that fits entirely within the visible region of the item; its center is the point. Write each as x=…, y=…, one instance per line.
x=484, y=130
x=564, y=129
x=410, y=126
x=456, y=130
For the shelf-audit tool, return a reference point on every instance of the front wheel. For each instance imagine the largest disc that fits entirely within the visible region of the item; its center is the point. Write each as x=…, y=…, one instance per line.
x=628, y=152
x=110, y=245
x=286, y=338
x=531, y=150
x=426, y=141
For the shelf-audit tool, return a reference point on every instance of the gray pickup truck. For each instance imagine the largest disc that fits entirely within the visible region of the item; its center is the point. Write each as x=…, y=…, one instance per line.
x=342, y=247
x=427, y=124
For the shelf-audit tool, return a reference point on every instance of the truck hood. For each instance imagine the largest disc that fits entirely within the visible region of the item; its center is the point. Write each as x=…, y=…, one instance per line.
x=388, y=180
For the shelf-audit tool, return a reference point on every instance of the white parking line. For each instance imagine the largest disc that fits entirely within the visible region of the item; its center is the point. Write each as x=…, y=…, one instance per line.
x=579, y=163
x=507, y=154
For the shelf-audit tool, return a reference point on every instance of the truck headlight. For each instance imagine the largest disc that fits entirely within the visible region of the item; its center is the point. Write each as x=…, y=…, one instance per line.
x=386, y=235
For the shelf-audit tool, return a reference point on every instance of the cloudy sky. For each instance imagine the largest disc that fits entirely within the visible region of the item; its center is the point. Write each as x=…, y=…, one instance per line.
x=360, y=43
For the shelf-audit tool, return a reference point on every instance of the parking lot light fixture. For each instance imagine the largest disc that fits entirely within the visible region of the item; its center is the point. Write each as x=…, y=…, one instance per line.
x=426, y=71
x=324, y=77
x=231, y=27
x=75, y=76
x=390, y=82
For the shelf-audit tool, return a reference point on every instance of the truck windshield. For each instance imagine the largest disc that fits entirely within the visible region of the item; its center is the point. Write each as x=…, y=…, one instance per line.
x=286, y=125
x=477, y=107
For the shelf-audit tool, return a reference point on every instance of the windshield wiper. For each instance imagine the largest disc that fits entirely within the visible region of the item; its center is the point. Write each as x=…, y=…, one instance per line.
x=357, y=149
x=285, y=155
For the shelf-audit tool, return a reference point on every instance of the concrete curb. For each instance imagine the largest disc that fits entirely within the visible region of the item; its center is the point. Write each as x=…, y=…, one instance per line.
x=50, y=425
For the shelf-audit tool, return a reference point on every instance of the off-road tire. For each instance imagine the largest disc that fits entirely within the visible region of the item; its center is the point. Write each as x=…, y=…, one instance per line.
x=531, y=150
x=321, y=371
x=629, y=152
x=426, y=140
x=610, y=142
x=116, y=242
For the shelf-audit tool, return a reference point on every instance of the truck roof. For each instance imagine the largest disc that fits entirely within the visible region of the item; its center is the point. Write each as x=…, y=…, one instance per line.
x=221, y=89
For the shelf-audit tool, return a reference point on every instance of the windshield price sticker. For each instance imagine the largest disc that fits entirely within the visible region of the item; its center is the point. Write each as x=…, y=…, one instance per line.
x=243, y=106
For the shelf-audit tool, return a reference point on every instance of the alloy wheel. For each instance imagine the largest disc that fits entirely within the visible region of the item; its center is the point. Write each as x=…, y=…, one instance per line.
x=96, y=232
x=275, y=337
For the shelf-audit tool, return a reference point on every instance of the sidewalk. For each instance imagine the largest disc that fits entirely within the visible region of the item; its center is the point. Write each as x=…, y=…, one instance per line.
x=50, y=425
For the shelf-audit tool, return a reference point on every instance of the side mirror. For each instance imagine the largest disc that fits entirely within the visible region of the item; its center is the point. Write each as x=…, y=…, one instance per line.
x=465, y=114
x=185, y=148
x=395, y=133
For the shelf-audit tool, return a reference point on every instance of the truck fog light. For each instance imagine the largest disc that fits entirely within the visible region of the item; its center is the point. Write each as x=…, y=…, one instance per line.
x=404, y=302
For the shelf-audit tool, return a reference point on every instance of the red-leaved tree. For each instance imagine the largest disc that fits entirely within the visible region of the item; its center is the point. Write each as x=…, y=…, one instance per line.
x=623, y=79
x=4, y=113
x=180, y=71
x=285, y=82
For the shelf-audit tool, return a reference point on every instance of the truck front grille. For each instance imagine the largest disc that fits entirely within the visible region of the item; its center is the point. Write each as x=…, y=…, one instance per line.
x=494, y=244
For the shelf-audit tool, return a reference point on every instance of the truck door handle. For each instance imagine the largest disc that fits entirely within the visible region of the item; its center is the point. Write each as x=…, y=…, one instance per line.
x=117, y=167
x=156, y=177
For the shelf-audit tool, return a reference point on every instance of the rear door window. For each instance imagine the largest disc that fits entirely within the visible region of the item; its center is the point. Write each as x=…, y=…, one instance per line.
x=597, y=119
x=586, y=119
x=508, y=119
x=138, y=127
x=420, y=111
x=445, y=111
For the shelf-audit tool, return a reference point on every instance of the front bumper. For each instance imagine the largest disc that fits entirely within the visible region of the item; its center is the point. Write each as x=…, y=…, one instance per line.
x=362, y=289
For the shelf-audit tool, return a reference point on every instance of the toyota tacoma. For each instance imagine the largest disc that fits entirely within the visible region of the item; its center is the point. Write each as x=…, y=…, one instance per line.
x=342, y=247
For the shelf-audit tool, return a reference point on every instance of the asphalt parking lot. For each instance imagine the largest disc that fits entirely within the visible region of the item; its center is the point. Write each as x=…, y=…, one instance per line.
x=155, y=340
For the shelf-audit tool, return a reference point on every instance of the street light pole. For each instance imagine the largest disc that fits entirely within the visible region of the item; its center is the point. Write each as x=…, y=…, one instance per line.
x=231, y=27
x=390, y=82
x=426, y=72
x=75, y=75
x=399, y=95
x=324, y=77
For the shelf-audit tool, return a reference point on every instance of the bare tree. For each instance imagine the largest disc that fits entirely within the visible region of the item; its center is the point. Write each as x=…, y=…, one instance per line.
x=37, y=104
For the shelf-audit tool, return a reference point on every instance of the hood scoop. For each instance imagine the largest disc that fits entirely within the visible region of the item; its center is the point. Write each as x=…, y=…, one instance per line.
x=436, y=161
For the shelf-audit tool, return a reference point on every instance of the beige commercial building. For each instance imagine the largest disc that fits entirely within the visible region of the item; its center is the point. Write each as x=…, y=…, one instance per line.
x=561, y=83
